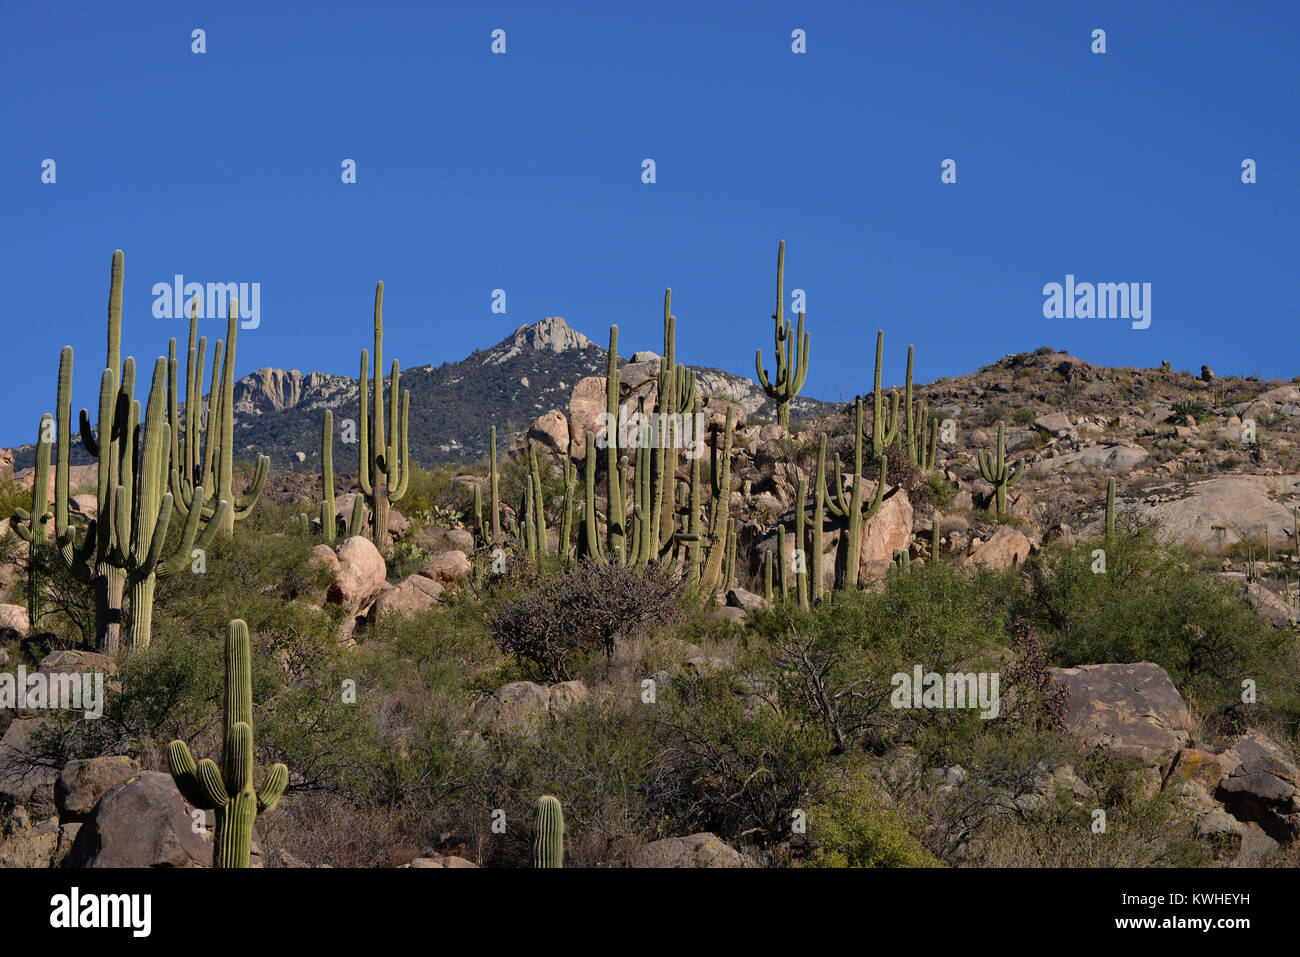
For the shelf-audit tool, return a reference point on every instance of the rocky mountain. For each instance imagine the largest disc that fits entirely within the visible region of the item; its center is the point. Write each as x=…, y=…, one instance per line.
x=453, y=405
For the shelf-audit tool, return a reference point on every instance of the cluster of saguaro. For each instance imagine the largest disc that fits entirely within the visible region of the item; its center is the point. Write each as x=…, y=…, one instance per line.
x=916, y=425
x=209, y=464
x=996, y=471
x=653, y=506
x=384, y=457
x=791, y=352
x=35, y=526
x=123, y=547
x=228, y=788
x=548, y=832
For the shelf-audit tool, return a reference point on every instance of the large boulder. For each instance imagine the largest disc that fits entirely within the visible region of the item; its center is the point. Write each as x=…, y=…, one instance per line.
x=141, y=822
x=408, y=597
x=1131, y=709
x=1220, y=512
x=361, y=574
x=695, y=850
x=889, y=530
x=518, y=706
x=551, y=432
x=587, y=403
x=82, y=783
x=1006, y=548
x=24, y=778
x=447, y=568
x=1262, y=787
x=14, y=621
x=1107, y=459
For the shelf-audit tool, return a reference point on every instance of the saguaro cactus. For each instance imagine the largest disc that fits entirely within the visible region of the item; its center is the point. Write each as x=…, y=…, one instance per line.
x=123, y=546
x=854, y=509
x=548, y=832
x=193, y=464
x=328, y=510
x=884, y=421
x=385, y=466
x=791, y=352
x=1110, y=508
x=996, y=471
x=36, y=527
x=228, y=789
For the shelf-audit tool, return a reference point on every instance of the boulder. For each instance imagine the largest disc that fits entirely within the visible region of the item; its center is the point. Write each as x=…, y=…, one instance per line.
x=1006, y=548
x=1220, y=512
x=889, y=530
x=518, y=706
x=82, y=783
x=695, y=850
x=408, y=597
x=441, y=860
x=1262, y=787
x=24, y=780
x=567, y=694
x=13, y=621
x=448, y=568
x=1108, y=459
x=587, y=403
x=361, y=575
x=1132, y=709
x=141, y=822
x=740, y=598
x=551, y=432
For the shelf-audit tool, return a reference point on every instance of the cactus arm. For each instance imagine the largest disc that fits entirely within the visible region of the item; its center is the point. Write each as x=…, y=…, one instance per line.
x=404, y=451
x=277, y=779
x=260, y=472
x=196, y=789
x=363, y=426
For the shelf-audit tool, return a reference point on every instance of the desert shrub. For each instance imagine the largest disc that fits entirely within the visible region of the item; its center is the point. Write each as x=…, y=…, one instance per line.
x=1151, y=604
x=565, y=625
x=854, y=828
x=941, y=493
x=734, y=763
x=434, y=498
x=1024, y=417
x=1186, y=407
x=405, y=558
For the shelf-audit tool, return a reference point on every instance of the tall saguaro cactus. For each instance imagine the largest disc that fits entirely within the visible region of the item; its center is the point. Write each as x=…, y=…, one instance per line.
x=208, y=464
x=791, y=352
x=36, y=527
x=123, y=546
x=228, y=788
x=855, y=508
x=884, y=421
x=385, y=459
x=548, y=832
x=996, y=471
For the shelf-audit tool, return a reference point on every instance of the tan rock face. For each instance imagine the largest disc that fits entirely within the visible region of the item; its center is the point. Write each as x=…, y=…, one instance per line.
x=586, y=404
x=447, y=568
x=695, y=850
x=1006, y=548
x=360, y=576
x=409, y=597
x=1223, y=511
x=551, y=432
x=1133, y=709
x=888, y=530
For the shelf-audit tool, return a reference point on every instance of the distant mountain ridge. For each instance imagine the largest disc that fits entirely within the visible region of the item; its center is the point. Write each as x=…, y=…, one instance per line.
x=278, y=412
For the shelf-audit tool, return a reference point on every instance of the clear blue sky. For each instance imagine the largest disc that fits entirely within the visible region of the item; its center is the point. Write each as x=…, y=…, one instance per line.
x=523, y=171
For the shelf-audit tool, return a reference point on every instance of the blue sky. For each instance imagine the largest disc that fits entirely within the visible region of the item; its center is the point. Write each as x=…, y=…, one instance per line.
x=522, y=171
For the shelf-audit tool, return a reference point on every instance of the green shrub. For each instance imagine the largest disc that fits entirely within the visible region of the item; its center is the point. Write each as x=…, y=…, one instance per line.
x=854, y=828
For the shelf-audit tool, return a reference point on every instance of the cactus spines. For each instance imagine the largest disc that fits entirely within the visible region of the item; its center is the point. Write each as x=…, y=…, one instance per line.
x=996, y=471
x=36, y=527
x=228, y=788
x=791, y=352
x=385, y=463
x=209, y=465
x=884, y=422
x=1110, y=508
x=548, y=832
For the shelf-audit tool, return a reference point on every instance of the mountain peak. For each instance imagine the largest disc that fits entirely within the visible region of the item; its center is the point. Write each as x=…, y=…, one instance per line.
x=551, y=334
